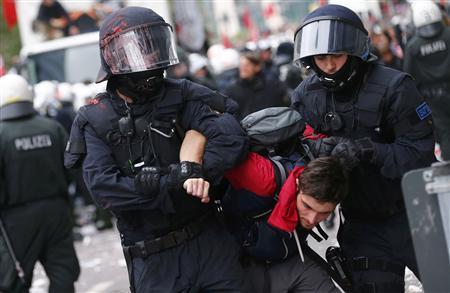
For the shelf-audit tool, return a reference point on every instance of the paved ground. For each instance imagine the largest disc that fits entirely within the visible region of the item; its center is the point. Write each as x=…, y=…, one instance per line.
x=103, y=267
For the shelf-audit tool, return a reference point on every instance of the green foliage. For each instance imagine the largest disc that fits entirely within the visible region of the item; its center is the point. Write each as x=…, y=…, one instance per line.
x=9, y=40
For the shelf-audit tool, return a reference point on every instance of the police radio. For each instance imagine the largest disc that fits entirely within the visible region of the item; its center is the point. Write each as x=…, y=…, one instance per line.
x=332, y=121
x=126, y=125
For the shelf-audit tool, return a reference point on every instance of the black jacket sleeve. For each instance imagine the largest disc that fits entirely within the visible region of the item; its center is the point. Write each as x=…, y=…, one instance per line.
x=227, y=143
x=412, y=149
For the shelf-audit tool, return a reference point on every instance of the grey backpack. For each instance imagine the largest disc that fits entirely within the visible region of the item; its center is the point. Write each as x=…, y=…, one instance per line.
x=270, y=127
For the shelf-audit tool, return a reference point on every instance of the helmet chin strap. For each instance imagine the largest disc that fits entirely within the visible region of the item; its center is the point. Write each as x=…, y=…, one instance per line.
x=340, y=79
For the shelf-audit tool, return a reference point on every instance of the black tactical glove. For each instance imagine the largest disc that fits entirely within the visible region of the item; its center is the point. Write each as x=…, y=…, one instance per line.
x=323, y=147
x=147, y=181
x=178, y=173
x=354, y=151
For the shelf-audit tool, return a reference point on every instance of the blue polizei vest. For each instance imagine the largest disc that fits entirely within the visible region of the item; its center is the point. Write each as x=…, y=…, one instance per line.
x=371, y=194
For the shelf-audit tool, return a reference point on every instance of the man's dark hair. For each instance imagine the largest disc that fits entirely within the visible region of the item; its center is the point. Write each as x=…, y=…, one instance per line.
x=253, y=57
x=325, y=179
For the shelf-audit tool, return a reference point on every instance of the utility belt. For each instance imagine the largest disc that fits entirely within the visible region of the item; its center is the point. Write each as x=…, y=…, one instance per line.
x=144, y=248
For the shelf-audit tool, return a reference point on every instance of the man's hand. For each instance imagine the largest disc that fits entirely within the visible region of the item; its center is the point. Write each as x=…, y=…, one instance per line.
x=197, y=187
x=323, y=147
x=147, y=181
x=354, y=151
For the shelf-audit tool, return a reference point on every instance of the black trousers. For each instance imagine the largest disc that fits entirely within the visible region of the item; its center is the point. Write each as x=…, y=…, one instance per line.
x=207, y=263
x=40, y=231
x=290, y=275
x=389, y=241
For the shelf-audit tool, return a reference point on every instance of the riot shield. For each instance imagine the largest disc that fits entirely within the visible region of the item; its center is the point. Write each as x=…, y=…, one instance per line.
x=427, y=199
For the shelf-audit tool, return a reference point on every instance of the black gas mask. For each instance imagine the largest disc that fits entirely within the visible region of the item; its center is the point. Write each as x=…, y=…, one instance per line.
x=140, y=86
x=342, y=78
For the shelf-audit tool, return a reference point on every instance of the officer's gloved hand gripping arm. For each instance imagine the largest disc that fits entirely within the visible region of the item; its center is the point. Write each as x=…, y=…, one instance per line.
x=413, y=143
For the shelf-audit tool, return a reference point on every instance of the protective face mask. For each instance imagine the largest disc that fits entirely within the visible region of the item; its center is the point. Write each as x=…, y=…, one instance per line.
x=140, y=86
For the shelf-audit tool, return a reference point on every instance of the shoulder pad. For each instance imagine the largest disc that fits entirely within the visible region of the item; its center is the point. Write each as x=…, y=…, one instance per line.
x=192, y=91
x=76, y=145
x=95, y=100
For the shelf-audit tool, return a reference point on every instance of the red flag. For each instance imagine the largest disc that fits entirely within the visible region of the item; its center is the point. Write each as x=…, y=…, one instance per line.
x=226, y=41
x=246, y=18
x=2, y=66
x=269, y=11
x=9, y=13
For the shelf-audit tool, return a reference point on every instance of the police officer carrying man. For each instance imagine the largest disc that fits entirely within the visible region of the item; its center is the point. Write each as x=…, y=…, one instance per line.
x=376, y=120
x=34, y=204
x=428, y=61
x=128, y=142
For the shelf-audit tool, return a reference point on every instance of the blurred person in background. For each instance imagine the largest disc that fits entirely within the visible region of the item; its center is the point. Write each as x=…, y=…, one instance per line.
x=383, y=45
x=427, y=59
x=181, y=69
x=104, y=7
x=54, y=21
x=65, y=114
x=253, y=91
x=289, y=74
x=199, y=70
x=34, y=203
x=225, y=64
x=45, y=101
x=269, y=69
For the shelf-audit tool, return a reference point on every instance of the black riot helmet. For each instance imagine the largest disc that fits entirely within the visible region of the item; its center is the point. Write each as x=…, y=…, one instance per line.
x=136, y=45
x=332, y=29
x=135, y=39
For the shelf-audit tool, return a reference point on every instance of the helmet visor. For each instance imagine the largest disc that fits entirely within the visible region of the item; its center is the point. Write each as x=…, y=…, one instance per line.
x=330, y=36
x=141, y=48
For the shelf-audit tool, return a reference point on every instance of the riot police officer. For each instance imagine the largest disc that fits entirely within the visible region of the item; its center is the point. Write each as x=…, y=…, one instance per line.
x=128, y=142
x=34, y=204
x=428, y=60
x=376, y=120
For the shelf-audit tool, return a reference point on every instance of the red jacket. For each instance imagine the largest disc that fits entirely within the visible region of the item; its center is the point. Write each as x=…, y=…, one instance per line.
x=256, y=175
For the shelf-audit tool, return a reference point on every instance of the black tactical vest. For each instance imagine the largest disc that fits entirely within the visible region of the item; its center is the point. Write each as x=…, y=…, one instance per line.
x=155, y=140
x=33, y=169
x=371, y=194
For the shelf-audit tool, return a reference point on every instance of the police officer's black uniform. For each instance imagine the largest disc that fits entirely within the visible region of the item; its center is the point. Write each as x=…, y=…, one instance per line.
x=427, y=59
x=33, y=195
x=378, y=122
x=130, y=158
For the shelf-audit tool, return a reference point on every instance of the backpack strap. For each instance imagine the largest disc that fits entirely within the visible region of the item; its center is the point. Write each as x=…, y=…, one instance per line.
x=281, y=173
